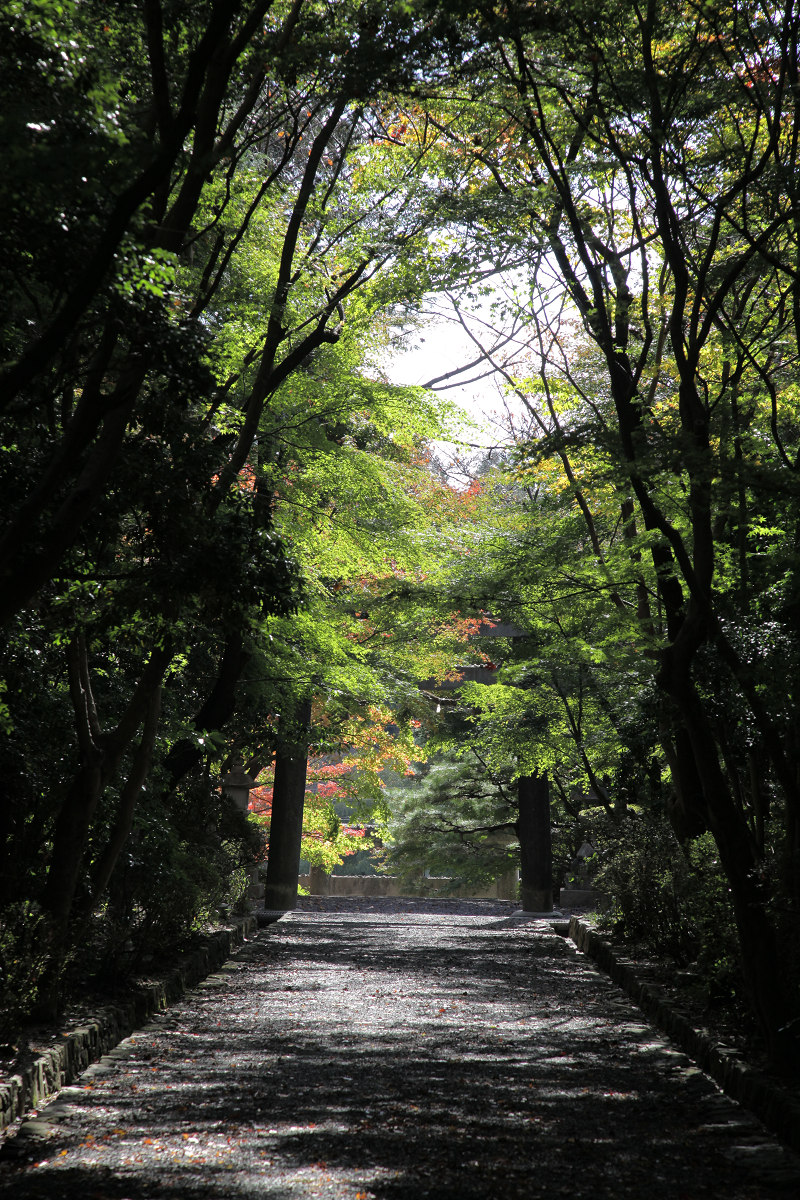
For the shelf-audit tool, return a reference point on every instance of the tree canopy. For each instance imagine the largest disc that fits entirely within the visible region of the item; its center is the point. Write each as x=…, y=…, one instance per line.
x=217, y=508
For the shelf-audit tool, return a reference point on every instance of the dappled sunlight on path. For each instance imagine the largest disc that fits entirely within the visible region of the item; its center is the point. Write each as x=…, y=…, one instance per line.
x=367, y=1057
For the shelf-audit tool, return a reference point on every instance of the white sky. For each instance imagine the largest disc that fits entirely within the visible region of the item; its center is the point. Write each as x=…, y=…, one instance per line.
x=438, y=348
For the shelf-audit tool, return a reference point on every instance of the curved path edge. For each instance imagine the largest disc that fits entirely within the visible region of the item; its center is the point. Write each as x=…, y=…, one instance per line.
x=757, y=1091
x=64, y=1062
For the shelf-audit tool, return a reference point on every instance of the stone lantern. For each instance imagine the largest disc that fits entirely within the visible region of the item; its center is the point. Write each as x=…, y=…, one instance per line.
x=237, y=784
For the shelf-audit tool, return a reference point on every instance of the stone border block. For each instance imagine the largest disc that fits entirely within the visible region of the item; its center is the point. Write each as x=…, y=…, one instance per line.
x=59, y=1065
x=776, y=1106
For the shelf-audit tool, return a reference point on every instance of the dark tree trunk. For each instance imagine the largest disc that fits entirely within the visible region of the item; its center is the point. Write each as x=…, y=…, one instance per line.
x=762, y=968
x=215, y=712
x=286, y=822
x=77, y=849
x=533, y=831
x=686, y=806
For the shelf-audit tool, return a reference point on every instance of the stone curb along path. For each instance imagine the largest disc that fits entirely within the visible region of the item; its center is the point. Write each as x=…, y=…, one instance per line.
x=64, y=1062
x=776, y=1106
x=389, y=1056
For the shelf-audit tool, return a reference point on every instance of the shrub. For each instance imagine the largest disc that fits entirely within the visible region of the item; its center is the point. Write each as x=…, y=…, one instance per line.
x=670, y=899
x=22, y=961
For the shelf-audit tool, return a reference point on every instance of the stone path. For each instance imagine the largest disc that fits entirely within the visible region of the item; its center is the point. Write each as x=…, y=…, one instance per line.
x=372, y=1057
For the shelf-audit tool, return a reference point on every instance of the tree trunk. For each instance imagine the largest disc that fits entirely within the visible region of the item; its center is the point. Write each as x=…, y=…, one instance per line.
x=77, y=847
x=533, y=830
x=215, y=712
x=686, y=805
x=763, y=972
x=286, y=822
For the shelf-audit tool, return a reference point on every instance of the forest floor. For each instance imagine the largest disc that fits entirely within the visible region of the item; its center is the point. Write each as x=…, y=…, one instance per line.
x=388, y=1052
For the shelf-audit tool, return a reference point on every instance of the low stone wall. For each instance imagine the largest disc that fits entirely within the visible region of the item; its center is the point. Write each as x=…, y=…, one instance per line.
x=582, y=898
x=60, y=1064
x=320, y=884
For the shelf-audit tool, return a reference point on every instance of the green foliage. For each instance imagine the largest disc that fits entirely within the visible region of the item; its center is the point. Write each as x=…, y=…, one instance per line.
x=326, y=842
x=454, y=820
x=637, y=157
x=360, y=862
x=181, y=863
x=672, y=901
x=192, y=299
x=23, y=961
x=644, y=872
x=215, y=505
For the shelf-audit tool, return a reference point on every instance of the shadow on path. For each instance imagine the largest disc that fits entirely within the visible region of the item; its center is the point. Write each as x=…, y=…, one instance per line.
x=390, y=1059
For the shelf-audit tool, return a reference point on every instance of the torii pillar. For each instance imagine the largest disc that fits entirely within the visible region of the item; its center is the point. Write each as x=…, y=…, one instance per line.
x=536, y=852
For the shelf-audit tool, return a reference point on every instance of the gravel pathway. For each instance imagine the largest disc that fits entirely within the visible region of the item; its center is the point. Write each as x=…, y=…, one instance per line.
x=391, y=1054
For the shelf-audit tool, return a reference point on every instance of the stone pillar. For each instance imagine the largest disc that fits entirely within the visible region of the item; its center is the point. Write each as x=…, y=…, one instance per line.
x=536, y=856
x=506, y=884
x=319, y=881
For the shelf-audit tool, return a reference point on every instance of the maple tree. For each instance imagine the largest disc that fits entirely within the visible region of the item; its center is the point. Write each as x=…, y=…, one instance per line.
x=217, y=509
x=200, y=199
x=351, y=780
x=635, y=156
x=360, y=521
